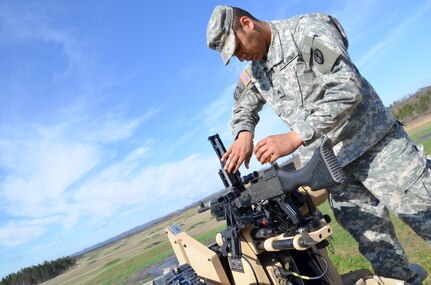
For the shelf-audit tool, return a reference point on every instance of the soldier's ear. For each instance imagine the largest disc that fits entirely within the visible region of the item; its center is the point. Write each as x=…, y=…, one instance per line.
x=246, y=23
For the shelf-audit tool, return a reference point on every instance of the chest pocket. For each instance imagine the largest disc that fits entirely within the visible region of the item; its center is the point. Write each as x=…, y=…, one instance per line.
x=287, y=90
x=307, y=83
x=281, y=91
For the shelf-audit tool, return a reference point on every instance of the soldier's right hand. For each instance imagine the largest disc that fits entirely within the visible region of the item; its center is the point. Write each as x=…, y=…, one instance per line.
x=240, y=151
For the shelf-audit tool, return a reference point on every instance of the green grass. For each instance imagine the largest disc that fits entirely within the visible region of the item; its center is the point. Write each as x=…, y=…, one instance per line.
x=209, y=236
x=420, y=133
x=195, y=226
x=427, y=146
x=119, y=271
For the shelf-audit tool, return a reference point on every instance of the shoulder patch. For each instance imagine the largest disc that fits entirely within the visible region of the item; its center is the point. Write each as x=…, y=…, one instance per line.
x=323, y=56
x=245, y=77
x=244, y=84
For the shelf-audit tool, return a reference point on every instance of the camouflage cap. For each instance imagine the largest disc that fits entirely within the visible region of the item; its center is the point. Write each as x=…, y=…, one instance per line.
x=220, y=35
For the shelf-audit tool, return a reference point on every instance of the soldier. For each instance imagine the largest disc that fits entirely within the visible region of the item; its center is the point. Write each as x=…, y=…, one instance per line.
x=300, y=67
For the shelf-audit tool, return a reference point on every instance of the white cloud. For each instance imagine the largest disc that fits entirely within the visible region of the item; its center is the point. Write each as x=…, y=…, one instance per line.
x=40, y=169
x=139, y=153
x=42, y=166
x=16, y=233
x=113, y=126
x=53, y=172
x=127, y=184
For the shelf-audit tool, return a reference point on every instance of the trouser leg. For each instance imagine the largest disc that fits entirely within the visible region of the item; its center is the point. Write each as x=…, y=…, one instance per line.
x=414, y=205
x=393, y=175
x=397, y=173
x=367, y=220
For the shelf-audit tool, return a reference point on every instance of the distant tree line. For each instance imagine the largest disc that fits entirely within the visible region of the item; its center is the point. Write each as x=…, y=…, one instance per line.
x=413, y=106
x=39, y=273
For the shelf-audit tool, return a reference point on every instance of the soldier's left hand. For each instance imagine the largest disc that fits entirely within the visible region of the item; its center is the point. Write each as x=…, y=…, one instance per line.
x=273, y=147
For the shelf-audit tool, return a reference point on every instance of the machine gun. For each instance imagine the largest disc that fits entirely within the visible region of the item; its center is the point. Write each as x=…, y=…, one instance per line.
x=242, y=205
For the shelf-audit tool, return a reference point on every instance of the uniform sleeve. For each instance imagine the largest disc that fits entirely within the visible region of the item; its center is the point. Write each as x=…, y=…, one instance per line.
x=248, y=103
x=324, y=48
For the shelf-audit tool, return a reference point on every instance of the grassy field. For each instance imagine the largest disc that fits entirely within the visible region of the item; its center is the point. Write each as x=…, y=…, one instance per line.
x=125, y=261
x=421, y=128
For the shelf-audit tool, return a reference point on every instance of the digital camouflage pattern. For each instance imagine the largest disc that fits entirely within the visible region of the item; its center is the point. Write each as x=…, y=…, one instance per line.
x=311, y=84
x=393, y=174
x=220, y=35
x=314, y=95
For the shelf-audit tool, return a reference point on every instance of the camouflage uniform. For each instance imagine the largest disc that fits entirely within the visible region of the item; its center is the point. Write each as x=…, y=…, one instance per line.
x=310, y=82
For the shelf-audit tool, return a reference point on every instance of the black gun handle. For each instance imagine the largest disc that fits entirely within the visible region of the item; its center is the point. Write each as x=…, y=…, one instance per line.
x=322, y=171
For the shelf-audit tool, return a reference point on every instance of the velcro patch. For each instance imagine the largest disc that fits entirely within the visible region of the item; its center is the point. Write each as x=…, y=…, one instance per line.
x=238, y=92
x=324, y=56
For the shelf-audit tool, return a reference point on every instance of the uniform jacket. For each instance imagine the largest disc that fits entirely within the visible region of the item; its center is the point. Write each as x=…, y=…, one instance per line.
x=310, y=82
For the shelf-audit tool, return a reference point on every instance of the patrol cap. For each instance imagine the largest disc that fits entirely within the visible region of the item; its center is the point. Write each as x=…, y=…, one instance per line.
x=220, y=35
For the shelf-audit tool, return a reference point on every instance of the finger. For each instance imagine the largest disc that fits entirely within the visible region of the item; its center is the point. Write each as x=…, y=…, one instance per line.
x=232, y=167
x=229, y=163
x=260, y=152
x=260, y=143
x=235, y=169
x=235, y=165
x=247, y=162
x=260, y=147
x=226, y=155
x=271, y=158
x=266, y=157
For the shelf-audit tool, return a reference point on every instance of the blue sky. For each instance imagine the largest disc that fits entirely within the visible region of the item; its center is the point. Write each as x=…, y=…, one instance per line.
x=106, y=107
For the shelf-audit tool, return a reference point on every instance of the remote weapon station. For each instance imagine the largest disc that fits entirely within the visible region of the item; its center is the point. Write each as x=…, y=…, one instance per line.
x=274, y=234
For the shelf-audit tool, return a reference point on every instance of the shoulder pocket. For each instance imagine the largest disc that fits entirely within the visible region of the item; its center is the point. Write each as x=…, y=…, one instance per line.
x=323, y=56
x=316, y=53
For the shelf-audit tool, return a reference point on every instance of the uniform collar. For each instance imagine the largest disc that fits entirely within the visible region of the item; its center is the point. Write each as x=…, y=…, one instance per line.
x=275, y=51
x=274, y=57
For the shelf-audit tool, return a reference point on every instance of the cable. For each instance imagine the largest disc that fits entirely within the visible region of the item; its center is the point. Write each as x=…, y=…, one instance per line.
x=315, y=277
x=252, y=269
x=289, y=273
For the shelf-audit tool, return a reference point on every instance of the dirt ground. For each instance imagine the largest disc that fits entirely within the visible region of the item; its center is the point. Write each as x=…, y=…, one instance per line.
x=419, y=124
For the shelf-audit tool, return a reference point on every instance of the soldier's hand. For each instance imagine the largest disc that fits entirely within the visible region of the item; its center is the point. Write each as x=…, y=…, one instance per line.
x=240, y=151
x=273, y=147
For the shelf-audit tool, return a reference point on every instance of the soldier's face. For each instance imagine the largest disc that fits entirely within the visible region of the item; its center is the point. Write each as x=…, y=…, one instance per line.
x=250, y=45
